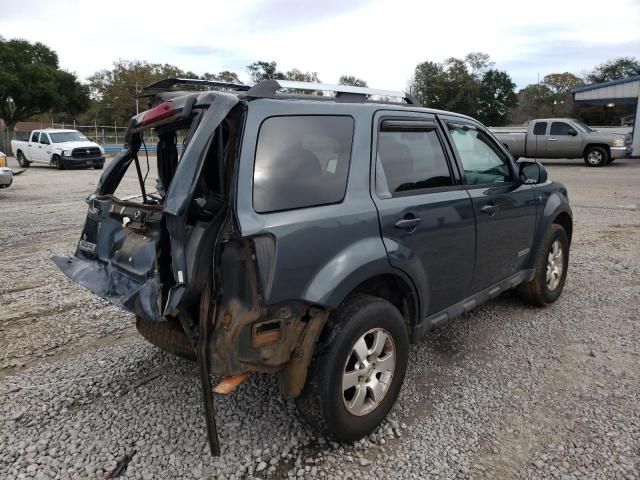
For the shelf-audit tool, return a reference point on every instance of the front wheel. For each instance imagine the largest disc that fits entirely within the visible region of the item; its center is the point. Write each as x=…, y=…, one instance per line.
x=58, y=162
x=596, y=157
x=357, y=370
x=22, y=160
x=550, y=269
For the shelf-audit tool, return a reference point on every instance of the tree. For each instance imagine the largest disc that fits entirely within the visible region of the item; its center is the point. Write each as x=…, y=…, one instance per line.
x=496, y=98
x=115, y=90
x=561, y=84
x=615, y=69
x=224, y=76
x=262, y=70
x=351, y=80
x=429, y=83
x=299, y=76
x=31, y=83
x=479, y=63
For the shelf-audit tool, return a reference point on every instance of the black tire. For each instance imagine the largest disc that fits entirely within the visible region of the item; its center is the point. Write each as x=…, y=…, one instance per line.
x=537, y=291
x=98, y=167
x=22, y=160
x=58, y=162
x=596, y=157
x=322, y=403
x=167, y=336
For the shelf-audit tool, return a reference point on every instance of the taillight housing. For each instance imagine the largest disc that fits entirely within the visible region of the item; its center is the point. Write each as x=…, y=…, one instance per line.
x=156, y=114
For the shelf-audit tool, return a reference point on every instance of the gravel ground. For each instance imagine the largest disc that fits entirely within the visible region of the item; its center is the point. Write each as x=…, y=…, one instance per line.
x=507, y=391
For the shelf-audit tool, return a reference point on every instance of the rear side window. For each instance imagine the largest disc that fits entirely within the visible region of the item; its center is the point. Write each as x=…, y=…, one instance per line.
x=559, y=128
x=410, y=158
x=540, y=128
x=301, y=161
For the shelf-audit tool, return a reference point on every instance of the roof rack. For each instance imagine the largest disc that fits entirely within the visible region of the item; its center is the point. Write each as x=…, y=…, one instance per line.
x=269, y=89
x=169, y=83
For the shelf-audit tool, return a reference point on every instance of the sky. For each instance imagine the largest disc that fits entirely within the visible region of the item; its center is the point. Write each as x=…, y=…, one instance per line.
x=379, y=41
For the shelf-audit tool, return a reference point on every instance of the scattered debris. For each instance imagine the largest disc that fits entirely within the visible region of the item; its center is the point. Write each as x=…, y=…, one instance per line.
x=120, y=468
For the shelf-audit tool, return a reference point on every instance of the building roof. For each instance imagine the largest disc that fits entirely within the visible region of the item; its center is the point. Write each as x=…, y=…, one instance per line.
x=626, y=90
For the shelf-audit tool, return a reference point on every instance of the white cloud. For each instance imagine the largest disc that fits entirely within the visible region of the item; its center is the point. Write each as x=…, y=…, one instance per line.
x=378, y=41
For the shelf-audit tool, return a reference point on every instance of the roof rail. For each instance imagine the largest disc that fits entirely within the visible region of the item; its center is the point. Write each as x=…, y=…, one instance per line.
x=169, y=83
x=269, y=88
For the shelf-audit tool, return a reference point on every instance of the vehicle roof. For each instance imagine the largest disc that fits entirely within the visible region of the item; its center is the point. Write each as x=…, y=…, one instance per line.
x=370, y=105
x=54, y=130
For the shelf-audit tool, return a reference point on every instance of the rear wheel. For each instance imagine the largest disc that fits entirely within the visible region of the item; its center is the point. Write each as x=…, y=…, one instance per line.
x=168, y=336
x=22, y=160
x=551, y=269
x=596, y=157
x=98, y=167
x=357, y=370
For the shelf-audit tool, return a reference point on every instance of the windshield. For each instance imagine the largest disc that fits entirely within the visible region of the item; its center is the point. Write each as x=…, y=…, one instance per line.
x=68, y=137
x=583, y=126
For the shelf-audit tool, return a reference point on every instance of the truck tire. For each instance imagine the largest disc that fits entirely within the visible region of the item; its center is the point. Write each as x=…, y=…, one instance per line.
x=596, y=156
x=551, y=265
x=167, y=336
x=362, y=356
x=22, y=160
x=58, y=162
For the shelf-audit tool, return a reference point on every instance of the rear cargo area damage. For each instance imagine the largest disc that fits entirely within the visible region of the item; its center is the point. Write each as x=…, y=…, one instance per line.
x=176, y=255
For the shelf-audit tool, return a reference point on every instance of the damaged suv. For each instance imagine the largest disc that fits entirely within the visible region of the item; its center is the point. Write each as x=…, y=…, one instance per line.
x=315, y=237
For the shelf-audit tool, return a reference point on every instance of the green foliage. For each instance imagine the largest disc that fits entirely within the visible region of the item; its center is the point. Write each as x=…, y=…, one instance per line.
x=351, y=80
x=615, y=69
x=31, y=83
x=466, y=86
x=114, y=91
x=262, y=70
x=496, y=98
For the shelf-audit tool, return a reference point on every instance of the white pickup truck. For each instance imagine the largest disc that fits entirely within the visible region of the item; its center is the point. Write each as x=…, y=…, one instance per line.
x=59, y=148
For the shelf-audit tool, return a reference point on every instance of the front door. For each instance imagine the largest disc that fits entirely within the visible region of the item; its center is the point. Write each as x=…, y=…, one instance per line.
x=562, y=143
x=44, y=148
x=505, y=209
x=426, y=216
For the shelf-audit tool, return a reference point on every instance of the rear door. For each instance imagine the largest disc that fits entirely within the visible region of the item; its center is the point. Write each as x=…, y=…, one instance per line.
x=505, y=209
x=561, y=143
x=426, y=216
x=34, y=146
x=44, y=147
x=537, y=140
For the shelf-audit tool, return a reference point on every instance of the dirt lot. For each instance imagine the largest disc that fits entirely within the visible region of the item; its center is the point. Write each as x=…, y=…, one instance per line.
x=507, y=391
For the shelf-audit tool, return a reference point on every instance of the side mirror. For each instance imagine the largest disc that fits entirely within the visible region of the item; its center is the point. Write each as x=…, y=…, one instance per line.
x=572, y=131
x=532, y=173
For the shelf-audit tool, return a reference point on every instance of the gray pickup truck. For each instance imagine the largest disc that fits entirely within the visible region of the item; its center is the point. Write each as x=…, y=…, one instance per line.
x=566, y=138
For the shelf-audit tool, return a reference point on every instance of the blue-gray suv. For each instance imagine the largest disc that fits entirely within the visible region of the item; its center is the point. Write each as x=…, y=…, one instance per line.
x=314, y=236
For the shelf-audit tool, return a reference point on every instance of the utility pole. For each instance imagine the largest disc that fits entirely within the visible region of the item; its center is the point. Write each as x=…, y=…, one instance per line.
x=137, y=110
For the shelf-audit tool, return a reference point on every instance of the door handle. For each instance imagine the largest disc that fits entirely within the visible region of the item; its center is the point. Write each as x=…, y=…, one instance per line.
x=553, y=139
x=489, y=210
x=407, y=223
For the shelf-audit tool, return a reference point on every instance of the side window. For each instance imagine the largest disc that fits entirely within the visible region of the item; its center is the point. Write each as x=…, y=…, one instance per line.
x=44, y=139
x=301, y=161
x=559, y=128
x=34, y=137
x=540, y=128
x=482, y=159
x=410, y=157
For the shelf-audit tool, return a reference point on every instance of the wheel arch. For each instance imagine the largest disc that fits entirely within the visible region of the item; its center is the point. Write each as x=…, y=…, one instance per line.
x=564, y=220
x=592, y=145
